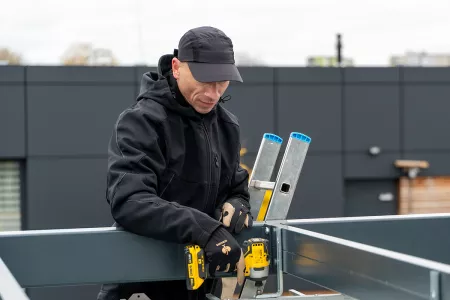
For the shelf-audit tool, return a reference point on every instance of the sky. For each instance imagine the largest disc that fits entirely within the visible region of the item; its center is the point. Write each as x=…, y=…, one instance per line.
x=277, y=33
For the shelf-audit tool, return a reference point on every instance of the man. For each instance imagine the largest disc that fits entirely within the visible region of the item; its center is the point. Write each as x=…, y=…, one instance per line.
x=174, y=169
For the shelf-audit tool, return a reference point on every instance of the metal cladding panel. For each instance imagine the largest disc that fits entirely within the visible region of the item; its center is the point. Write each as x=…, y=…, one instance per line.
x=308, y=75
x=426, y=117
x=372, y=117
x=311, y=199
x=12, y=121
x=80, y=74
x=301, y=109
x=356, y=270
x=74, y=120
x=12, y=74
x=372, y=75
x=426, y=75
x=255, y=75
x=253, y=106
x=366, y=166
x=67, y=193
x=370, y=197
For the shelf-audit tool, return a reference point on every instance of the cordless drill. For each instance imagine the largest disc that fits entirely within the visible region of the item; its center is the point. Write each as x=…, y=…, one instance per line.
x=256, y=255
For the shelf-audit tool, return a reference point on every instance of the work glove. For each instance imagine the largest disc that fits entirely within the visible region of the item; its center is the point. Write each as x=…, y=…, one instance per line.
x=224, y=254
x=235, y=215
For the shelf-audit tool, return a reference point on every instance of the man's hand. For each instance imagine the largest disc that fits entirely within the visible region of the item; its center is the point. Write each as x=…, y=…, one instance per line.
x=235, y=216
x=224, y=254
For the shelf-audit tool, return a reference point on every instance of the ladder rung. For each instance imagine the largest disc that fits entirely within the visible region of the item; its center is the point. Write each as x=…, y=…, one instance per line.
x=262, y=185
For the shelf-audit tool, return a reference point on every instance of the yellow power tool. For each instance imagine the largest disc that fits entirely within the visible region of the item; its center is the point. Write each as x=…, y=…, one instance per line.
x=195, y=266
x=257, y=262
x=256, y=254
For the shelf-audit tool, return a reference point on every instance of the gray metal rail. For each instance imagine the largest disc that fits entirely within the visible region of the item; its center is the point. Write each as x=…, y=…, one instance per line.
x=425, y=236
x=103, y=255
x=358, y=270
x=40, y=258
x=9, y=287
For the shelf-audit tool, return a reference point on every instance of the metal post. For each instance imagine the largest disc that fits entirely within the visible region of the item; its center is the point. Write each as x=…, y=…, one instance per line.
x=279, y=263
x=435, y=285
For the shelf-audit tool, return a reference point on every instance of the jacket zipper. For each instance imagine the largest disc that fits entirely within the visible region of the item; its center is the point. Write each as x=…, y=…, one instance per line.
x=205, y=204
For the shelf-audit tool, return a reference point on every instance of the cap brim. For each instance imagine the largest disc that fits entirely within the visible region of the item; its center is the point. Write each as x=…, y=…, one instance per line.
x=206, y=72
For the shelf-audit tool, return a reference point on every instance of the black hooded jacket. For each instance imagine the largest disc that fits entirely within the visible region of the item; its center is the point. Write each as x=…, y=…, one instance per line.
x=169, y=171
x=170, y=168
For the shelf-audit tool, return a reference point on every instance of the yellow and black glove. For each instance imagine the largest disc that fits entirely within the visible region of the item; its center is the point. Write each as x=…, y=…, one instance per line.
x=235, y=215
x=224, y=254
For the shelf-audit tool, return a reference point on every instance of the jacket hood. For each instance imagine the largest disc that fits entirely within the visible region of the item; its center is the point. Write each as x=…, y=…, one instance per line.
x=162, y=87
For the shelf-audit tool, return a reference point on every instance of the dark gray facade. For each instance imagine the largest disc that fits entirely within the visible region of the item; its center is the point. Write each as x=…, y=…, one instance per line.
x=57, y=121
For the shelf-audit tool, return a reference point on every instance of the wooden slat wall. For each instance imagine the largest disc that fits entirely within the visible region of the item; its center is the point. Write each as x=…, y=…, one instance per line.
x=427, y=195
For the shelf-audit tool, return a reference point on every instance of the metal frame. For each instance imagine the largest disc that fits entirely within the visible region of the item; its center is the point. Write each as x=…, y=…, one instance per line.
x=39, y=258
x=100, y=255
x=358, y=270
x=416, y=235
x=9, y=287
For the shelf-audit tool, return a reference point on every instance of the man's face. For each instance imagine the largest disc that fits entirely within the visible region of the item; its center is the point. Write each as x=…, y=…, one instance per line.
x=202, y=96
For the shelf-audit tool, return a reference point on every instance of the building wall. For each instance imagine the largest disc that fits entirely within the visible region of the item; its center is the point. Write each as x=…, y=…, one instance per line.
x=56, y=123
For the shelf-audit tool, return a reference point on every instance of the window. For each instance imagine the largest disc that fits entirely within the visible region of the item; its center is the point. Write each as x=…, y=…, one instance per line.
x=9, y=196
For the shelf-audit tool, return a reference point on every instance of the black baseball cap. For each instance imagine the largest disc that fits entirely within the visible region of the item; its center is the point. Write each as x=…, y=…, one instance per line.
x=209, y=54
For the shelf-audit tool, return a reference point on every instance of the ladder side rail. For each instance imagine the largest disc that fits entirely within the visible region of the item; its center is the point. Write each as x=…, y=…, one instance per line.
x=288, y=176
x=262, y=170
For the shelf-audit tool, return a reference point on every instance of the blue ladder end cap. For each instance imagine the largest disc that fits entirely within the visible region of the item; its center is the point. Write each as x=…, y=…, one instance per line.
x=273, y=137
x=301, y=137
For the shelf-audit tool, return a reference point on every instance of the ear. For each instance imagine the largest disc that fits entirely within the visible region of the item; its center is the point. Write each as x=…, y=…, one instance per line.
x=176, y=67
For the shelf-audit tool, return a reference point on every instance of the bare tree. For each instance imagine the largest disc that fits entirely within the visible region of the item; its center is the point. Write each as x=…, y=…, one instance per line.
x=246, y=59
x=10, y=57
x=76, y=54
x=84, y=54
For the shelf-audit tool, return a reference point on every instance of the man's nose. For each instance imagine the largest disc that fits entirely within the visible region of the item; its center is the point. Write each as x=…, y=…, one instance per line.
x=212, y=91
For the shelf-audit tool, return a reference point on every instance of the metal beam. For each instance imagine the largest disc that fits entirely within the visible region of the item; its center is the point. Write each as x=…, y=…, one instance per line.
x=416, y=235
x=294, y=222
x=39, y=258
x=9, y=287
x=357, y=270
x=105, y=255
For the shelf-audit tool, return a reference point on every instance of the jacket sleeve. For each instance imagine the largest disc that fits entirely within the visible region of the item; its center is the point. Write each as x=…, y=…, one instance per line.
x=136, y=161
x=239, y=185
